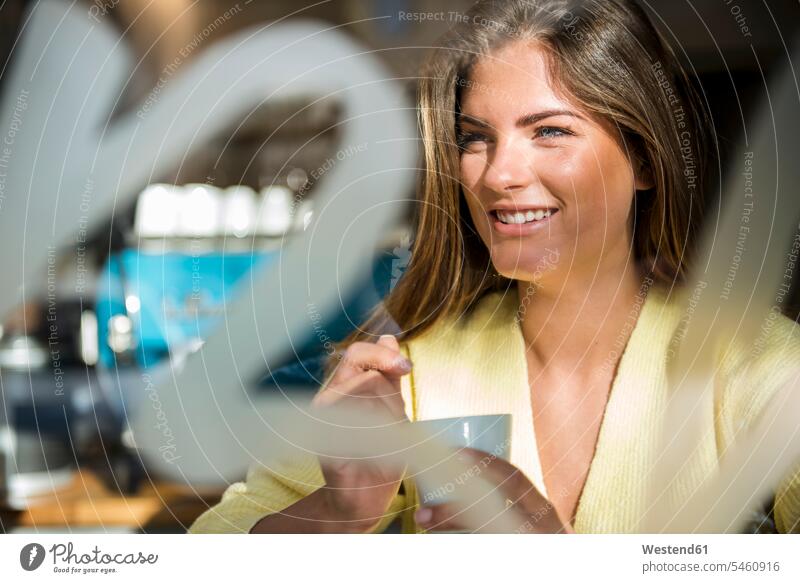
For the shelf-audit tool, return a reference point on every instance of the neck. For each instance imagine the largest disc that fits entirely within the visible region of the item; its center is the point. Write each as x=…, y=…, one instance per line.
x=578, y=324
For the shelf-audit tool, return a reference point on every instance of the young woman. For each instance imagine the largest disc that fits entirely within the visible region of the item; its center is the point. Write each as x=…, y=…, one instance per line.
x=566, y=157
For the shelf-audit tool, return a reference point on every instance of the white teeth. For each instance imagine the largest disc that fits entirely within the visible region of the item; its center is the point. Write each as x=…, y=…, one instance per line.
x=520, y=218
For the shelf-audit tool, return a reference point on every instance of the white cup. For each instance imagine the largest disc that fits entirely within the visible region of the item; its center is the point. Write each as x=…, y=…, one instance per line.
x=489, y=433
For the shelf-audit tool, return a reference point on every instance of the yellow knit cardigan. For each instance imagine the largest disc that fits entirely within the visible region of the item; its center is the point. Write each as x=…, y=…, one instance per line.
x=476, y=365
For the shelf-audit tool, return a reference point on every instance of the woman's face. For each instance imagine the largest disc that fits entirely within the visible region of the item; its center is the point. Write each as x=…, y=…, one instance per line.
x=549, y=190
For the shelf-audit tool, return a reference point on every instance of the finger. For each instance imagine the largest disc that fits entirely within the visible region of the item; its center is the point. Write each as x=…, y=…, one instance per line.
x=518, y=490
x=510, y=480
x=389, y=341
x=440, y=517
x=337, y=470
x=371, y=388
x=364, y=392
x=366, y=385
x=383, y=356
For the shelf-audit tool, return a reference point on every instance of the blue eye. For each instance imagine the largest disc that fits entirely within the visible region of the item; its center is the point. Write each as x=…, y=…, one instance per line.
x=551, y=132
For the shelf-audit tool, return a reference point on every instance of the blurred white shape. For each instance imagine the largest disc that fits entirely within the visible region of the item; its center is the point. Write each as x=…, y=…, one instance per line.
x=275, y=211
x=120, y=333
x=297, y=179
x=128, y=439
x=89, y=344
x=303, y=215
x=21, y=352
x=179, y=353
x=200, y=211
x=240, y=211
x=133, y=304
x=157, y=211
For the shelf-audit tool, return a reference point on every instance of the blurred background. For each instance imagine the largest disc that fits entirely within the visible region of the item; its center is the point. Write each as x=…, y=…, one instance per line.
x=158, y=275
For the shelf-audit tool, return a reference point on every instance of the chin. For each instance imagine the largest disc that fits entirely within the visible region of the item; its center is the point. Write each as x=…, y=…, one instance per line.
x=528, y=266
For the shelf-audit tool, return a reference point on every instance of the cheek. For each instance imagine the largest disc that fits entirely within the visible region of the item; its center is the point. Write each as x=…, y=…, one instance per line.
x=471, y=170
x=597, y=183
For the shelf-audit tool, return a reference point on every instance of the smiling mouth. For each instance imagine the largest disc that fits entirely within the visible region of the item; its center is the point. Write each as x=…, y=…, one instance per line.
x=523, y=217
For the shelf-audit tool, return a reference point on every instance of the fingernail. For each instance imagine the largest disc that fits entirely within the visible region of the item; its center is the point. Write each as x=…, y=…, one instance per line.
x=403, y=364
x=423, y=515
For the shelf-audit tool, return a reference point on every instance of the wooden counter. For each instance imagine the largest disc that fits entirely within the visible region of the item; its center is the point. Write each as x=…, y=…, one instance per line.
x=86, y=503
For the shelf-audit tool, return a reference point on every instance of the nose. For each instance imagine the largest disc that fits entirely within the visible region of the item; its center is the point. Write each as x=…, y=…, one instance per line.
x=510, y=168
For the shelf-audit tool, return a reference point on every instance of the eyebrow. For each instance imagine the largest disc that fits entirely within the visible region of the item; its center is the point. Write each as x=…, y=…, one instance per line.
x=524, y=121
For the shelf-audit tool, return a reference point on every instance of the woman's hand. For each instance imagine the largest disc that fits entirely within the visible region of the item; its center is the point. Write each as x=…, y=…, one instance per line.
x=530, y=509
x=358, y=493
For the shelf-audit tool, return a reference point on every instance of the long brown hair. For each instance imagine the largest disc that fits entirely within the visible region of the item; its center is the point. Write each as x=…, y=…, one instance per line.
x=610, y=59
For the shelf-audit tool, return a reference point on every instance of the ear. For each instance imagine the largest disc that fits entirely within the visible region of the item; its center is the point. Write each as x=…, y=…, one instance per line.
x=643, y=175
